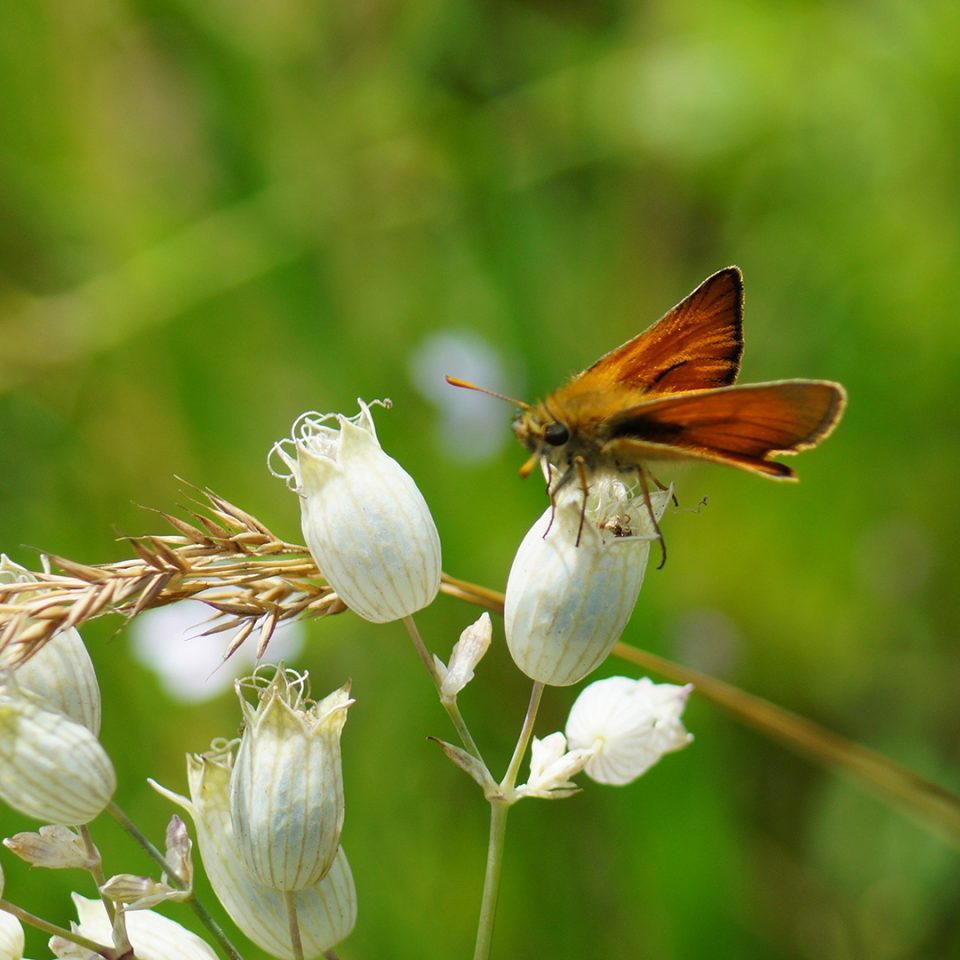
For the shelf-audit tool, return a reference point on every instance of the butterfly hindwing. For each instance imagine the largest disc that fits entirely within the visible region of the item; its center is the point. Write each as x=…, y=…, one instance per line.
x=742, y=426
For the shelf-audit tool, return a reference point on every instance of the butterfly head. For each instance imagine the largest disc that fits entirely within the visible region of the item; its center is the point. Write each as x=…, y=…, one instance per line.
x=542, y=434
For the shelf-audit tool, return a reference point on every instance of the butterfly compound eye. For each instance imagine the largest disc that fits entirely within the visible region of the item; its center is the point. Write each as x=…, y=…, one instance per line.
x=556, y=434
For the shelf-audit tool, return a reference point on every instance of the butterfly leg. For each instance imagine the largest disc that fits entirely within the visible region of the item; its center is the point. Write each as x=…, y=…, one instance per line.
x=578, y=469
x=645, y=489
x=553, y=512
x=582, y=472
x=662, y=486
x=565, y=478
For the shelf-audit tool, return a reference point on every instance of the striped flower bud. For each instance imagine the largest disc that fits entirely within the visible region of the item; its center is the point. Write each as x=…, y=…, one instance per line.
x=51, y=768
x=572, y=587
x=60, y=673
x=326, y=911
x=54, y=846
x=364, y=520
x=286, y=793
x=627, y=726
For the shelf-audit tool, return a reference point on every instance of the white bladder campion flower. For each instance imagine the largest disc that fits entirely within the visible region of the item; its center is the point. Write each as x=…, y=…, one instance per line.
x=326, y=911
x=152, y=936
x=626, y=726
x=286, y=792
x=364, y=519
x=52, y=768
x=60, y=674
x=571, y=590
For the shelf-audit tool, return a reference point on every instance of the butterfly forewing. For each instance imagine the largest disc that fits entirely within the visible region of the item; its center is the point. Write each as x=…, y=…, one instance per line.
x=695, y=346
x=741, y=426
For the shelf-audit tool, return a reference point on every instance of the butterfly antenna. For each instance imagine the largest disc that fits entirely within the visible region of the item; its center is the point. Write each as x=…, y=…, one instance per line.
x=457, y=382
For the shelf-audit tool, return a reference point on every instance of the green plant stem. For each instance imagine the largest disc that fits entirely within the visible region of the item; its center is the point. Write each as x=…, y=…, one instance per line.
x=453, y=711
x=933, y=806
x=293, y=923
x=40, y=924
x=499, y=808
x=216, y=931
x=500, y=804
x=96, y=869
x=526, y=732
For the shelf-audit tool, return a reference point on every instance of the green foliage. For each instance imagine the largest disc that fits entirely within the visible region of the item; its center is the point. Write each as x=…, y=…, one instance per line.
x=216, y=215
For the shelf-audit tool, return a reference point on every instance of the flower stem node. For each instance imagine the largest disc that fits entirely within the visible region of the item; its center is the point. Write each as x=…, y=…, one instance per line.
x=286, y=791
x=51, y=768
x=364, y=519
x=626, y=726
x=576, y=578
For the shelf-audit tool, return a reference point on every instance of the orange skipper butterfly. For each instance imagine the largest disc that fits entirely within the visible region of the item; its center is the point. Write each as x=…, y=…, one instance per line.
x=670, y=394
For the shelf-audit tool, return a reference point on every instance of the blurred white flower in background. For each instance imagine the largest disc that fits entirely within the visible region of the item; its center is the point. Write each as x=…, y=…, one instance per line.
x=189, y=666
x=467, y=430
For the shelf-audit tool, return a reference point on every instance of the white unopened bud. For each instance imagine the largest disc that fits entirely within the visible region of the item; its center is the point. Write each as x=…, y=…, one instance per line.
x=627, y=726
x=140, y=893
x=152, y=936
x=286, y=793
x=179, y=852
x=53, y=846
x=467, y=652
x=326, y=911
x=551, y=768
x=572, y=588
x=60, y=674
x=364, y=520
x=51, y=768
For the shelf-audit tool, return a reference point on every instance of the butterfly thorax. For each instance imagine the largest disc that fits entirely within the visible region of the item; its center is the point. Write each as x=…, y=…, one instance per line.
x=561, y=433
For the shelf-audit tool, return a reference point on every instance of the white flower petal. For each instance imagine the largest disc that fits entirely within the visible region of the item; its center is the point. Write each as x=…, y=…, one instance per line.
x=551, y=768
x=628, y=724
x=152, y=936
x=11, y=937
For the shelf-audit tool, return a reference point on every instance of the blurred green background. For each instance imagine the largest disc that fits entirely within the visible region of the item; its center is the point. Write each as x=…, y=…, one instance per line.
x=214, y=215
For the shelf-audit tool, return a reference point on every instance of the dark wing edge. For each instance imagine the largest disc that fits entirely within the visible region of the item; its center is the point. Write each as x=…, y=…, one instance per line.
x=696, y=345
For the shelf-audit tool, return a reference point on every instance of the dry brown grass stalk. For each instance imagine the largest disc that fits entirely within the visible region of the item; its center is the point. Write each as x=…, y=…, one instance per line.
x=221, y=555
